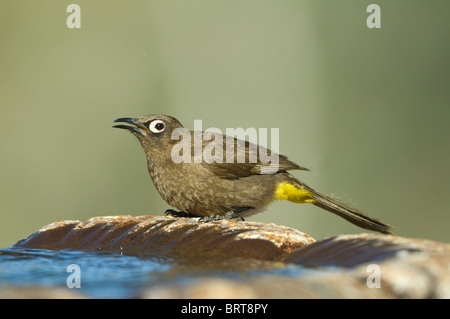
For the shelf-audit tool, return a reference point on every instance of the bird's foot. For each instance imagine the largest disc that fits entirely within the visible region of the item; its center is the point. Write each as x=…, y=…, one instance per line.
x=227, y=215
x=174, y=213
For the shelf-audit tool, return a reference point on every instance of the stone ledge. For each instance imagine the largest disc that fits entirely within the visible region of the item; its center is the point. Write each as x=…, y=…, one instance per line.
x=410, y=268
x=170, y=237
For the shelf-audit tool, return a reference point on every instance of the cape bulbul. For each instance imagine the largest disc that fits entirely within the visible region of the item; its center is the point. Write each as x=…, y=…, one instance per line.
x=211, y=188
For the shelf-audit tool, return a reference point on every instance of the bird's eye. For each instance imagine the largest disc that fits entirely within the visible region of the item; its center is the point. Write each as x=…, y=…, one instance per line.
x=156, y=126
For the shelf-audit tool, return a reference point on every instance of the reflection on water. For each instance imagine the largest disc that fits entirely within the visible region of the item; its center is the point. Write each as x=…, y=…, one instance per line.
x=103, y=275
x=112, y=275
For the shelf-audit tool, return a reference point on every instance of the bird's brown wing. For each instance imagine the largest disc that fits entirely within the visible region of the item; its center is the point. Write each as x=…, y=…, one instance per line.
x=255, y=160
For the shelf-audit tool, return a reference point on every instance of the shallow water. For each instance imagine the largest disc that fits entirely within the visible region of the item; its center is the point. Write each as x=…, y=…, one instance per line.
x=113, y=275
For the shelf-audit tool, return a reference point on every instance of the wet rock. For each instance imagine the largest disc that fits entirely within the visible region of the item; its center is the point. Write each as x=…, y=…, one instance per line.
x=378, y=266
x=324, y=285
x=38, y=292
x=352, y=250
x=346, y=266
x=170, y=237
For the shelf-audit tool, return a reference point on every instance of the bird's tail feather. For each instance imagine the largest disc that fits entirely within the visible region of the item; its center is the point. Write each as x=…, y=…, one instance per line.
x=352, y=215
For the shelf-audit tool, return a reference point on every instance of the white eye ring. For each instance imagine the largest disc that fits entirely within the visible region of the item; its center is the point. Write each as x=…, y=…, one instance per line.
x=157, y=126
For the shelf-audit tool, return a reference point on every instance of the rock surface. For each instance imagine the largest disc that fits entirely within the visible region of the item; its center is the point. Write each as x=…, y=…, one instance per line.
x=170, y=237
x=346, y=266
x=405, y=274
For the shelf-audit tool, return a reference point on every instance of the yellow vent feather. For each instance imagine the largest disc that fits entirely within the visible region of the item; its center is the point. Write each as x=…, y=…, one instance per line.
x=287, y=191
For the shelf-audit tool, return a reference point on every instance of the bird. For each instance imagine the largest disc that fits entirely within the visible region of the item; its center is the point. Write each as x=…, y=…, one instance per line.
x=219, y=188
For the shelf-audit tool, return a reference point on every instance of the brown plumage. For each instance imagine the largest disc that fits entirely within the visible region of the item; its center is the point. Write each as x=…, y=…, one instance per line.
x=211, y=186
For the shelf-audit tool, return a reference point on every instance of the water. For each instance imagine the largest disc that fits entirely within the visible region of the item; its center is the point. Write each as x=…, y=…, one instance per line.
x=102, y=275
x=113, y=275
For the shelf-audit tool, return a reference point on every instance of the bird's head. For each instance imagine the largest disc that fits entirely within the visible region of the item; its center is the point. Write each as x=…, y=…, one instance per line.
x=153, y=131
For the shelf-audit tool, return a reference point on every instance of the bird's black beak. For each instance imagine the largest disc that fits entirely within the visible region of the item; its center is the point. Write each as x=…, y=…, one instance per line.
x=137, y=127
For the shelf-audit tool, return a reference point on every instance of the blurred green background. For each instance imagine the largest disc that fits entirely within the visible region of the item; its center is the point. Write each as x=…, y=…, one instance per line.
x=368, y=111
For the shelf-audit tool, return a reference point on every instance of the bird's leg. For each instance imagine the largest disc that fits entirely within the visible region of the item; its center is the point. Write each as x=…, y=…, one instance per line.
x=228, y=215
x=174, y=213
x=233, y=215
